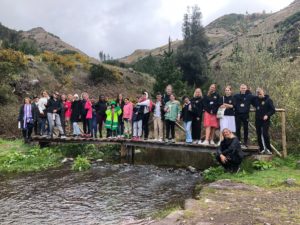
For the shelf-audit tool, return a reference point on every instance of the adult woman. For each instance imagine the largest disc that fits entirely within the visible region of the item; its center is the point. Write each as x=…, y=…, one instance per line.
x=229, y=153
x=264, y=110
x=145, y=102
x=43, y=113
x=75, y=116
x=226, y=102
x=68, y=113
x=89, y=113
x=211, y=105
x=101, y=107
x=27, y=117
x=172, y=114
x=197, y=109
x=187, y=117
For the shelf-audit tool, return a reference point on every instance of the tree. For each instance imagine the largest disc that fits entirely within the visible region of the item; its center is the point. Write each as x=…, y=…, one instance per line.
x=191, y=56
x=169, y=73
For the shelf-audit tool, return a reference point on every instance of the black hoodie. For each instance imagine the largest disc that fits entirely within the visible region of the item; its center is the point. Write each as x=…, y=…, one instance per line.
x=242, y=103
x=211, y=103
x=264, y=106
x=197, y=106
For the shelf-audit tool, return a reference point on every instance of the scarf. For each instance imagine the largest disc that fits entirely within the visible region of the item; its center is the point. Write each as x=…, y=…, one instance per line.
x=27, y=115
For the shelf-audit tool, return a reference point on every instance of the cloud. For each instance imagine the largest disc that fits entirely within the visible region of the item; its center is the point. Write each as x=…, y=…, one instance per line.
x=118, y=27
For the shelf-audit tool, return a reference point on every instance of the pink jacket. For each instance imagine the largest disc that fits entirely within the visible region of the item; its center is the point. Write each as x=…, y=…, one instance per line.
x=68, y=109
x=88, y=107
x=127, y=111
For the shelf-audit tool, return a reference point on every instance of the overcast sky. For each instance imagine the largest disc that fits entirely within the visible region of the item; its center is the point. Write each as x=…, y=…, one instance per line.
x=119, y=27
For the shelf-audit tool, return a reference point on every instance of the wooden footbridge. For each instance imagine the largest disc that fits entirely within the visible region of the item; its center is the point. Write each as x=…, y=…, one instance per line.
x=128, y=146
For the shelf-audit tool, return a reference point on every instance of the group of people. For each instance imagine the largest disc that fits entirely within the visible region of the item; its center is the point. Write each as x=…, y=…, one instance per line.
x=130, y=119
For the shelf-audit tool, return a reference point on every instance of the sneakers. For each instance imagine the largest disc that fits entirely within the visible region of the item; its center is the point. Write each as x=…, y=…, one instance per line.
x=63, y=136
x=205, y=142
x=266, y=152
x=160, y=140
x=212, y=142
x=173, y=140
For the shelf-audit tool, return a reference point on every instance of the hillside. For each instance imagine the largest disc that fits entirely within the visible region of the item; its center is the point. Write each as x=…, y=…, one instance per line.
x=54, y=65
x=225, y=32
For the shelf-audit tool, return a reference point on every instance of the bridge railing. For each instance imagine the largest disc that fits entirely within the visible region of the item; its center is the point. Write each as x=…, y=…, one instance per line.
x=282, y=113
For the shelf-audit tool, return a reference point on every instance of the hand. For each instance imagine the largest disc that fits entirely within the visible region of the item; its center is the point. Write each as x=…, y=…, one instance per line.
x=223, y=106
x=266, y=117
x=223, y=158
x=54, y=110
x=198, y=118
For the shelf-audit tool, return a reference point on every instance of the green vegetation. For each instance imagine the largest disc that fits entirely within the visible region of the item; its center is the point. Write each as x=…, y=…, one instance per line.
x=288, y=22
x=166, y=211
x=99, y=73
x=264, y=174
x=148, y=64
x=81, y=164
x=15, y=156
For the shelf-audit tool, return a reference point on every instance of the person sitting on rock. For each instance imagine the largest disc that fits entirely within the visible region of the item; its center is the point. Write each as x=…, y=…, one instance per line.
x=229, y=153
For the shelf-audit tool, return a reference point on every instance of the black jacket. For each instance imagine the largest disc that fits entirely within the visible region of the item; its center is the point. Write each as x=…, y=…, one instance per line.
x=211, y=103
x=197, y=106
x=54, y=105
x=101, y=107
x=76, y=111
x=186, y=114
x=138, y=112
x=33, y=113
x=228, y=100
x=264, y=106
x=230, y=148
x=83, y=111
x=242, y=103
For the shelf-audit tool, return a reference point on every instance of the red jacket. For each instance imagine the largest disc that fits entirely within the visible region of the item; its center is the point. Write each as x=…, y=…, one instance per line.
x=68, y=109
x=88, y=107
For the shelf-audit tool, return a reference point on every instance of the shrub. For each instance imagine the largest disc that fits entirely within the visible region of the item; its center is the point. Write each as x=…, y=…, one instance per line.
x=212, y=173
x=81, y=164
x=99, y=73
x=262, y=165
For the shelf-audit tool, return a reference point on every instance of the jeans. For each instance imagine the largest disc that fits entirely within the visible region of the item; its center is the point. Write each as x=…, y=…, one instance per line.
x=76, y=129
x=42, y=124
x=94, y=127
x=187, y=128
x=120, y=126
x=89, y=123
x=137, y=128
x=54, y=119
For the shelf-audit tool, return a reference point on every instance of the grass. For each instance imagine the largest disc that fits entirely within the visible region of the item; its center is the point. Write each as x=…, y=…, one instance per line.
x=15, y=156
x=274, y=176
x=18, y=157
x=166, y=211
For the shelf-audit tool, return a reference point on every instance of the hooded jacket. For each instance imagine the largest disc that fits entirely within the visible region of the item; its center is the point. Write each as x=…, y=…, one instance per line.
x=242, y=103
x=264, y=106
x=197, y=106
x=211, y=103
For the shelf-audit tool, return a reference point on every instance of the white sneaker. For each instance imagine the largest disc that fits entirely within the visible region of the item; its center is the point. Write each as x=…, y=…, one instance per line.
x=212, y=142
x=155, y=139
x=266, y=152
x=199, y=142
x=63, y=137
x=205, y=142
x=196, y=142
x=160, y=140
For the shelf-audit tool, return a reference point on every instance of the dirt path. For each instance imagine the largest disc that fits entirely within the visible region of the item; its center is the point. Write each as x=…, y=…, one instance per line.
x=226, y=202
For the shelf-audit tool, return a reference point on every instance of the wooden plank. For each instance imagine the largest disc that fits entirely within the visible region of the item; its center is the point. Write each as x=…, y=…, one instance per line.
x=283, y=134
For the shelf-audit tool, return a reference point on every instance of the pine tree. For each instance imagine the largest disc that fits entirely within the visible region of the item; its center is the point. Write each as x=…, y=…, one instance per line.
x=191, y=56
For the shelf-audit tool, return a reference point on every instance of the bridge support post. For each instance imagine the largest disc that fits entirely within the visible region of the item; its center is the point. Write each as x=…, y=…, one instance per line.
x=127, y=152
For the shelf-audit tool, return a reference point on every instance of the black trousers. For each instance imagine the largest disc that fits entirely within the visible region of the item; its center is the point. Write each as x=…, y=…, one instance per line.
x=196, y=128
x=146, y=124
x=100, y=119
x=89, y=126
x=36, y=127
x=84, y=124
x=232, y=164
x=262, y=131
x=170, y=127
x=26, y=132
x=242, y=119
x=111, y=133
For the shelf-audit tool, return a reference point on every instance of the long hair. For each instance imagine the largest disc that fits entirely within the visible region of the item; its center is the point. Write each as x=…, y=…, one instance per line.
x=209, y=92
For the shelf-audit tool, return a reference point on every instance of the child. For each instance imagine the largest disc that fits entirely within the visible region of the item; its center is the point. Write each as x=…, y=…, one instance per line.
x=138, y=112
x=112, y=114
x=127, y=117
x=187, y=117
x=172, y=114
x=157, y=118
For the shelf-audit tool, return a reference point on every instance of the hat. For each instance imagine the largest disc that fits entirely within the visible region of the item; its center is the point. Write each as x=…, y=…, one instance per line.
x=76, y=96
x=113, y=103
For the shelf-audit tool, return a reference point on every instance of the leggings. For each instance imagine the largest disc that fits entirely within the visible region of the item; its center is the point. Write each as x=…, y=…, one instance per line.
x=170, y=127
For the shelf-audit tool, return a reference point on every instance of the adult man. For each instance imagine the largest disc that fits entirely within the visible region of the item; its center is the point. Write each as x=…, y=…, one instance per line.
x=242, y=103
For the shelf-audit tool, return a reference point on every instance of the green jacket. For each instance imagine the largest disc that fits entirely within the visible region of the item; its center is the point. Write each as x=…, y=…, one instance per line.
x=174, y=110
x=112, y=119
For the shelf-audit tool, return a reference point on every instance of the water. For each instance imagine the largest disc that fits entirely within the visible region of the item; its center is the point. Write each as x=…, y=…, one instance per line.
x=106, y=194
